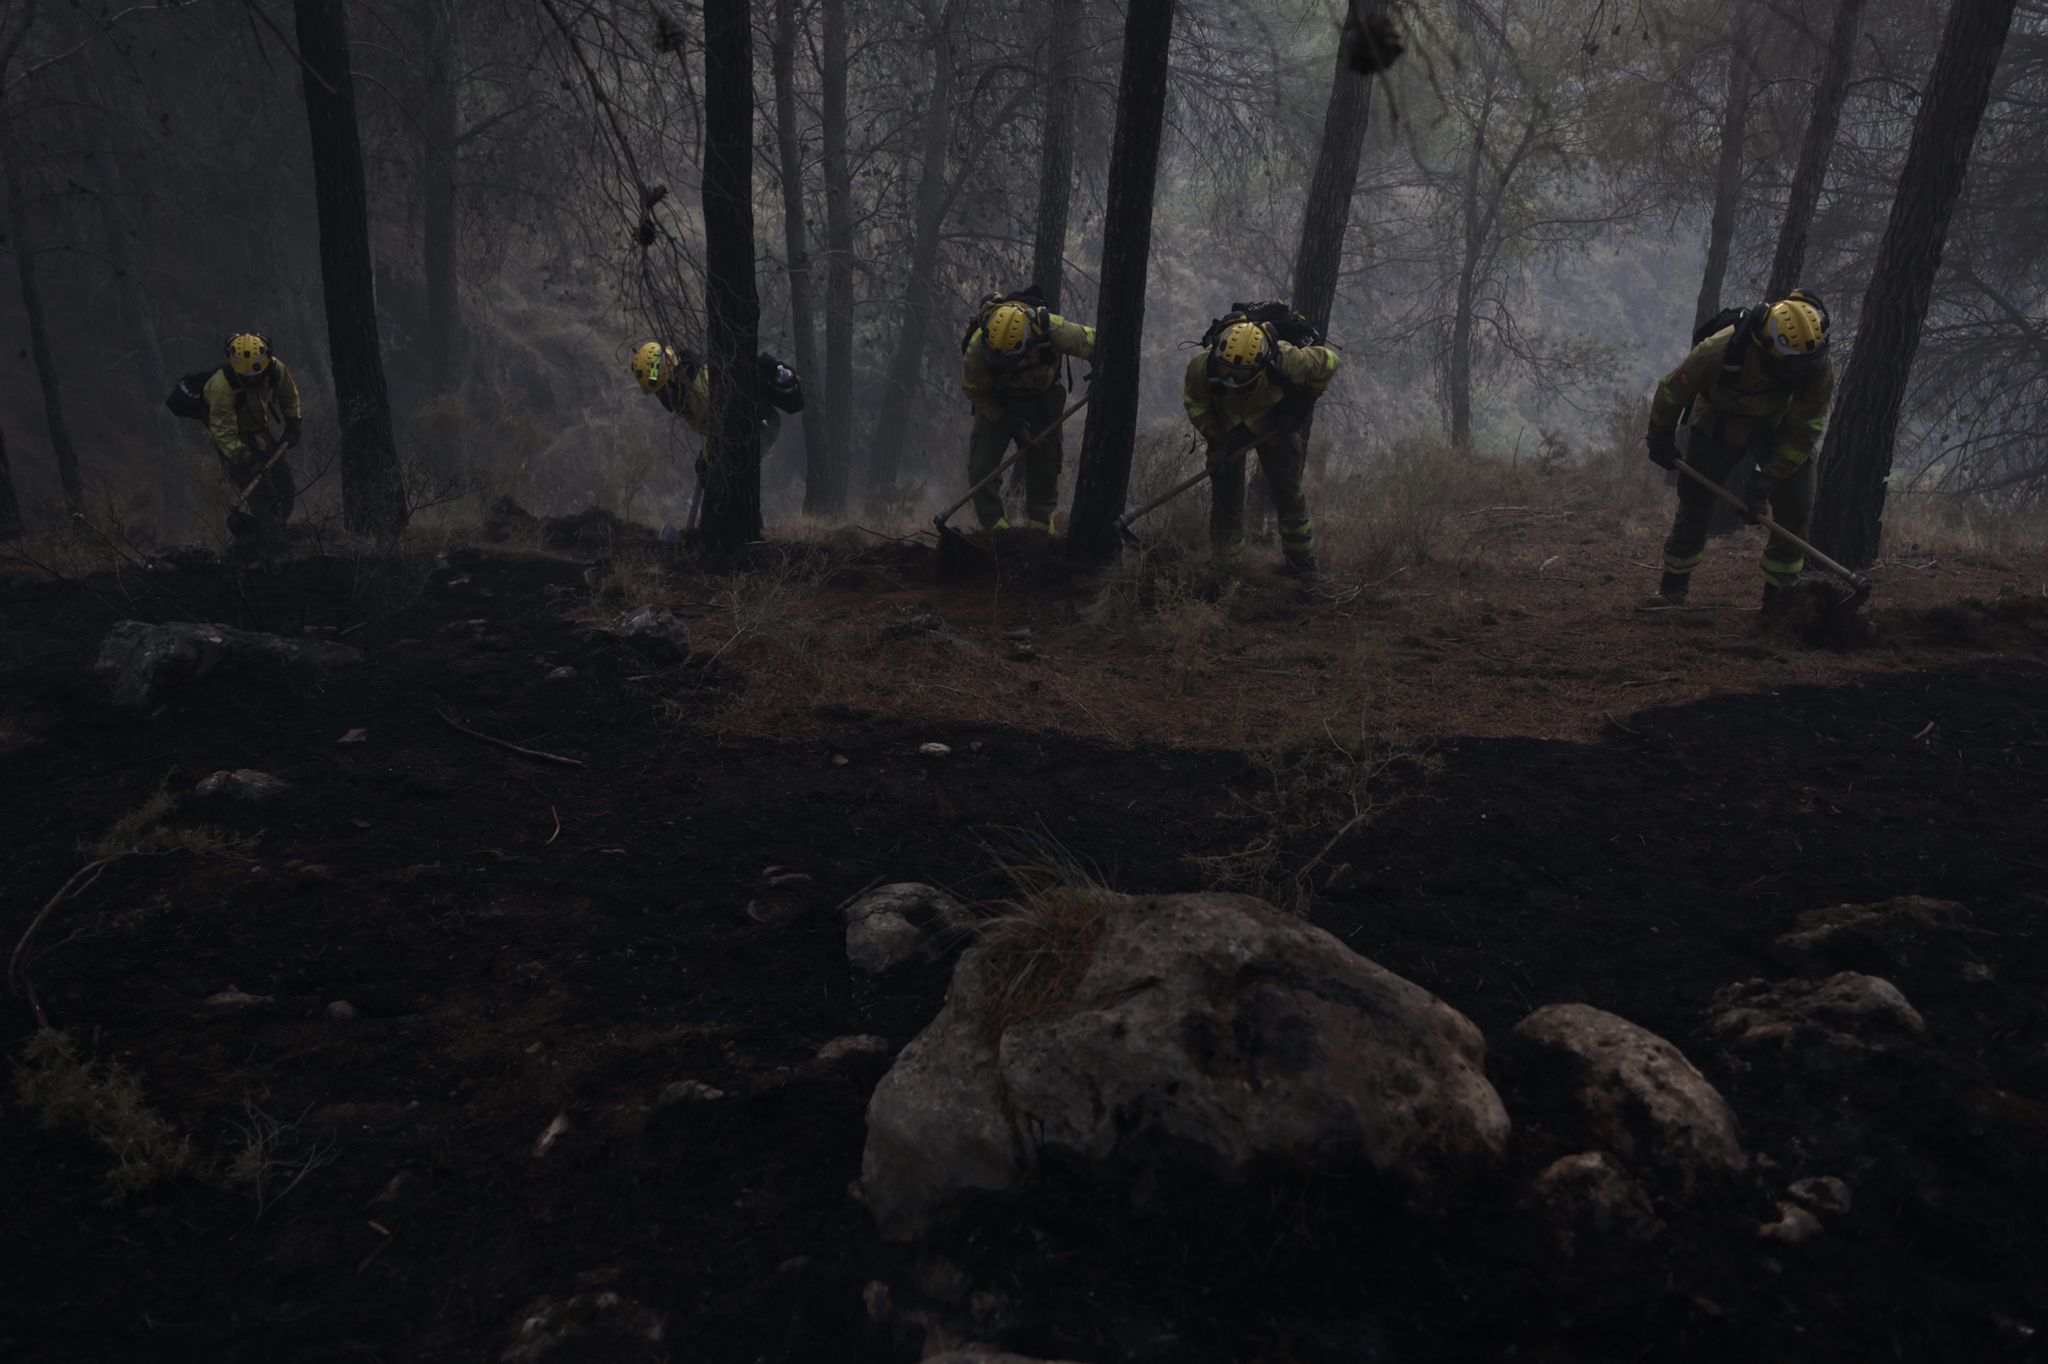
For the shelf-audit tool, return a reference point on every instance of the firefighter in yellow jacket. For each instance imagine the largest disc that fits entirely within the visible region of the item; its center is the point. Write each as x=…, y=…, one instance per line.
x=1009, y=370
x=240, y=398
x=1758, y=390
x=681, y=380
x=1249, y=390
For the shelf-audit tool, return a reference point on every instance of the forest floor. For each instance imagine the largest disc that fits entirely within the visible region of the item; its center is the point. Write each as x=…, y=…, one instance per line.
x=1568, y=800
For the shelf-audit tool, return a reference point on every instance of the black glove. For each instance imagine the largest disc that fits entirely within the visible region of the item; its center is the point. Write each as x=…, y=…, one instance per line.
x=1758, y=498
x=292, y=431
x=1664, y=449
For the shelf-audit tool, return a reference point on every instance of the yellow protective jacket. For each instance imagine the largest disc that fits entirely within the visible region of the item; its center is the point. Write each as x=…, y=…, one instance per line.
x=1748, y=410
x=986, y=386
x=1302, y=372
x=237, y=411
x=690, y=399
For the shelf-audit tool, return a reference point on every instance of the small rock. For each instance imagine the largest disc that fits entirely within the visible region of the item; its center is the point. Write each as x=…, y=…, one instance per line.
x=232, y=998
x=895, y=924
x=149, y=661
x=1795, y=1226
x=1822, y=1193
x=935, y=750
x=686, y=1092
x=1018, y=635
x=354, y=736
x=550, y=1135
x=1848, y=1012
x=244, y=783
x=1594, y=1207
x=841, y=1048
x=561, y=674
x=587, y=1326
x=1629, y=1090
x=840, y=760
x=659, y=635
x=1023, y=653
x=341, y=1010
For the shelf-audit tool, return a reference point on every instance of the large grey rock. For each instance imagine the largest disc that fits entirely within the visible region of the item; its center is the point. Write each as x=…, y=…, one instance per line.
x=1212, y=1027
x=147, y=661
x=1628, y=1091
x=1846, y=1013
x=894, y=925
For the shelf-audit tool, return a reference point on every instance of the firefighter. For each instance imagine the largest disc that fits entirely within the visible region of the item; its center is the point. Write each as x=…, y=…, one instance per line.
x=1757, y=389
x=1009, y=370
x=1249, y=390
x=681, y=380
x=239, y=401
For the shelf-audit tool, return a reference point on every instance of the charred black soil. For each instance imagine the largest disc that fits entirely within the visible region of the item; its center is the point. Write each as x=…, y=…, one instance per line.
x=523, y=942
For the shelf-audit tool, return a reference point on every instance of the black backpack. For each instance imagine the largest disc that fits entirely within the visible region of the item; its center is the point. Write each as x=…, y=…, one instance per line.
x=1282, y=323
x=781, y=387
x=1032, y=297
x=188, y=399
x=1277, y=316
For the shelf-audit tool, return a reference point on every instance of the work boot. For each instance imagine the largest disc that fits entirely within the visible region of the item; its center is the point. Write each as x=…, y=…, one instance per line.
x=1778, y=600
x=1302, y=565
x=1671, y=590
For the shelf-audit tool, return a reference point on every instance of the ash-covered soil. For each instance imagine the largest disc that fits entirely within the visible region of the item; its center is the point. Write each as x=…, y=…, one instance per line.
x=527, y=947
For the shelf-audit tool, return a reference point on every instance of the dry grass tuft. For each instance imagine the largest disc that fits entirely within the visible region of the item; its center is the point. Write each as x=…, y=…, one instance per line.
x=1309, y=800
x=1039, y=942
x=104, y=1103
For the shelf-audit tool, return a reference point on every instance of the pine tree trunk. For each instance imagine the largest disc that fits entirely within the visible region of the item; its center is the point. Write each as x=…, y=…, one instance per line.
x=372, y=486
x=885, y=449
x=1458, y=379
x=802, y=311
x=10, y=504
x=1807, y=181
x=1849, y=519
x=1104, y=479
x=732, y=483
x=1056, y=151
x=62, y=451
x=825, y=495
x=1326, y=216
x=1728, y=177
x=440, y=263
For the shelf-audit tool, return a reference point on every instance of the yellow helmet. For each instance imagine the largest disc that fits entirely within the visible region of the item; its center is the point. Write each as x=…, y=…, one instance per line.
x=654, y=364
x=1242, y=354
x=1007, y=335
x=1795, y=332
x=248, y=354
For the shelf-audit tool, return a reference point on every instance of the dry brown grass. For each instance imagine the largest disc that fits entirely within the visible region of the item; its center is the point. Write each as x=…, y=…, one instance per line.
x=1310, y=798
x=1963, y=527
x=103, y=1103
x=1040, y=940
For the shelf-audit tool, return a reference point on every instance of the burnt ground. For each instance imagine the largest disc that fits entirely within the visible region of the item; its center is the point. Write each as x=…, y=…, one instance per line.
x=1606, y=808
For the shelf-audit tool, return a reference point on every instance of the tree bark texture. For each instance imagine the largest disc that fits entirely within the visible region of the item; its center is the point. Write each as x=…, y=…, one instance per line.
x=1326, y=216
x=732, y=482
x=372, y=486
x=1728, y=175
x=1849, y=520
x=1104, y=479
x=1056, y=151
x=62, y=451
x=885, y=449
x=802, y=311
x=440, y=262
x=826, y=496
x=1458, y=380
x=10, y=504
x=1821, y=127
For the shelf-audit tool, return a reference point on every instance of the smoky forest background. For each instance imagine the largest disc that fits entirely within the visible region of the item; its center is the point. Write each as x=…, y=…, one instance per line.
x=457, y=218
